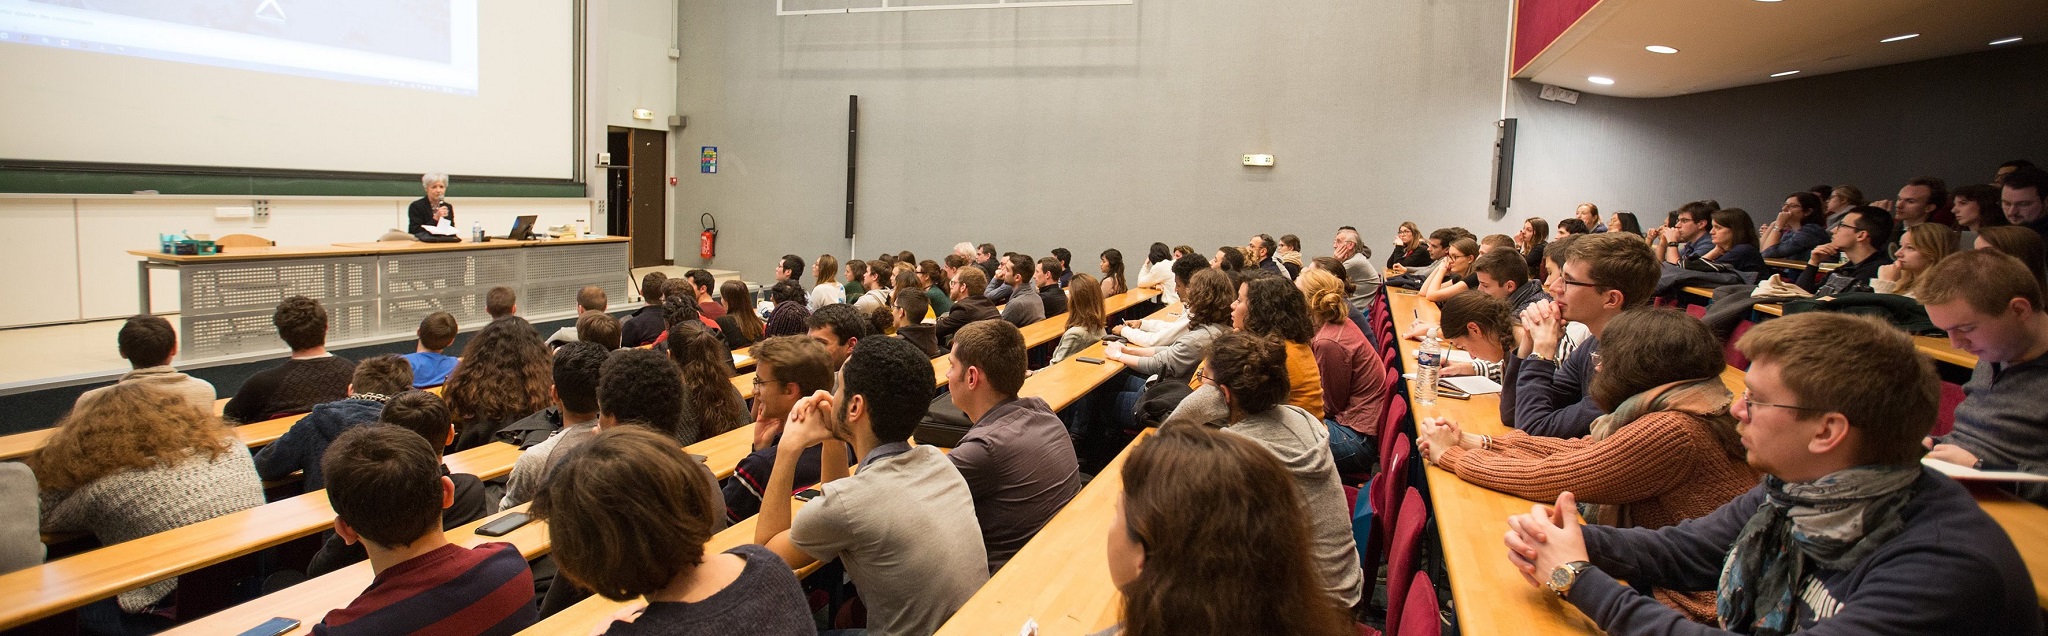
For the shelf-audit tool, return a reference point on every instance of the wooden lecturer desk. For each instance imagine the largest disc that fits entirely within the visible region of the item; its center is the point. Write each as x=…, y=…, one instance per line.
x=373, y=290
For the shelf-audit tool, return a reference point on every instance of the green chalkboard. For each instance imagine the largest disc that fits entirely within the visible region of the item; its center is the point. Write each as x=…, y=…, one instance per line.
x=62, y=181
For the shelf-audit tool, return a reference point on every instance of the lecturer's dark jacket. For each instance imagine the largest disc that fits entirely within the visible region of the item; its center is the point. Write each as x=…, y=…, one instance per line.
x=421, y=215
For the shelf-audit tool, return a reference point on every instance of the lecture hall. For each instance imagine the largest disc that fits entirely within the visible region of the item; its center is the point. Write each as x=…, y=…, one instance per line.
x=1035, y=317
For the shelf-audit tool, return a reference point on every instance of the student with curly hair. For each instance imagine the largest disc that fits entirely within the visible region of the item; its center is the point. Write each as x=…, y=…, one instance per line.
x=504, y=376
x=1196, y=502
x=312, y=375
x=640, y=387
x=711, y=404
x=787, y=313
x=1269, y=305
x=130, y=462
x=1245, y=383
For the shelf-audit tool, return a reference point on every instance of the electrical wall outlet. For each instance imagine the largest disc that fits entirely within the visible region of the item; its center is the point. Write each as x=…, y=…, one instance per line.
x=262, y=211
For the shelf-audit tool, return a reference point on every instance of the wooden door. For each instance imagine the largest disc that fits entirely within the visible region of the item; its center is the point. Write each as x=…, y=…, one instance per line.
x=648, y=214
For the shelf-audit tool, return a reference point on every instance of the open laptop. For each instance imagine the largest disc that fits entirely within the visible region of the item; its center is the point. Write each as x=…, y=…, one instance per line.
x=522, y=228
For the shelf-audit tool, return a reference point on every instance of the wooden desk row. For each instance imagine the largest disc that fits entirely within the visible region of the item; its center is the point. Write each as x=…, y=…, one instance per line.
x=1491, y=597
x=1935, y=347
x=255, y=435
x=74, y=581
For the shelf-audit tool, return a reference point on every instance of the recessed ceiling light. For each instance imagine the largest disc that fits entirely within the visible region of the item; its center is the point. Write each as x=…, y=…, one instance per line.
x=1784, y=73
x=1896, y=38
x=1659, y=48
x=2004, y=41
x=1600, y=80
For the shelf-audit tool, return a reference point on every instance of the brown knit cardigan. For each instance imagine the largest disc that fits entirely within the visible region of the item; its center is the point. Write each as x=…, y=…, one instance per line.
x=1659, y=470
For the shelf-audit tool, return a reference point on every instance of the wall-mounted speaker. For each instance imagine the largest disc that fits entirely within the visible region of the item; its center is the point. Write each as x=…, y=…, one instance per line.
x=1503, y=166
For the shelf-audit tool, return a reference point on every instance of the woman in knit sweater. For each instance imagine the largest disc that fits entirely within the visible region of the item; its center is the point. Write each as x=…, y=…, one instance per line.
x=1244, y=390
x=1667, y=450
x=1268, y=305
x=132, y=461
x=1353, y=375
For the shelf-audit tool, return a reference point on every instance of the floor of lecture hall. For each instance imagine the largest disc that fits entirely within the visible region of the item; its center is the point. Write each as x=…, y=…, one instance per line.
x=55, y=351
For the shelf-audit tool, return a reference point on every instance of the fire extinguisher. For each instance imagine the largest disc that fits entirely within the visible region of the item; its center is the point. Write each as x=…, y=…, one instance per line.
x=707, y=242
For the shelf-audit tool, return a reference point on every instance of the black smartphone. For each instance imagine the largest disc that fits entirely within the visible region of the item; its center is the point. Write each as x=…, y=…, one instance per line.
x=273, y=627
x=808, y=494
x=502, y=525
x=1088, y=360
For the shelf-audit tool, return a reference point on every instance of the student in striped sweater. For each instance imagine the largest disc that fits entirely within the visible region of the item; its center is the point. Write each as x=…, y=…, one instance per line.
x=388, y=490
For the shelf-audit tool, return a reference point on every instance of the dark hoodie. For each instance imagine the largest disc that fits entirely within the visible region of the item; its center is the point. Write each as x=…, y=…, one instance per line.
x=301, y=447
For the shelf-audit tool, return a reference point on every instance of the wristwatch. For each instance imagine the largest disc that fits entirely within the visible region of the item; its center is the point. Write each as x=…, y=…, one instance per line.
x=1539, y=356
x=1563, y=577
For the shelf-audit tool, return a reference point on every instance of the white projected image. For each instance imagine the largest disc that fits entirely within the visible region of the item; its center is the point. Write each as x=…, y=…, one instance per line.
x=421, y=44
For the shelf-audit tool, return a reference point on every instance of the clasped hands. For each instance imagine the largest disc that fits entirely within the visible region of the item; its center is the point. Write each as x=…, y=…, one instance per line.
x=811, y=422
x=1545, y=538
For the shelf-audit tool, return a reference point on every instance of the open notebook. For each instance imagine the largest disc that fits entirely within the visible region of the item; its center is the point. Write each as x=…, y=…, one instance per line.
x=1967, y=473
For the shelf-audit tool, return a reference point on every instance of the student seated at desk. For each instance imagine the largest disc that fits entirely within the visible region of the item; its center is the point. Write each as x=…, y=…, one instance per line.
x=711, y=404
x=1268, y=305
x=573, y=418
x=1800, y=227
x=426, y=414
x=1052, y=293
x=1847, y=534
x=1920, y=247
x=1603, y=275
x=132, y=461
x=149, y=344
x=903, y=525
x=1024, y=306
x=436, y=333
x=1160, y=333
x=589, y=300
x=388, y=489
x=907, y=311
x=1112, y=407
x=630, y=482
x=375, y=382
x=1017, y=459
x=503, y=377
x=786, y=368
x=599, y=328
x=1084, y=317
x=1990, y=306
x=501, y=302
x=1354, y=378
x=787, y=312
x=645, y=324
x=1196, y=502
x=312, y=375
x=1667, y=450
x=738, y=324
x=1453, y=274
x=828, y=291
x=969, y=305
x=1244, y=390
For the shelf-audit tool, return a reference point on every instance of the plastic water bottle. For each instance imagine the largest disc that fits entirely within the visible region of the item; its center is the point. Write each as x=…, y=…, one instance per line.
x=1429, y=360
x=476, y=231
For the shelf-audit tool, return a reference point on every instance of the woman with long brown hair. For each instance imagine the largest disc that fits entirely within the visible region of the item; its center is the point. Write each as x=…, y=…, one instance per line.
x=1212, y=537
x=505, y=374
x=740, y=326
x=1084, y=317
x=711, y=404
x=1113, y=281
x=1920, y=247
x=131, y=461
x=1666, y=451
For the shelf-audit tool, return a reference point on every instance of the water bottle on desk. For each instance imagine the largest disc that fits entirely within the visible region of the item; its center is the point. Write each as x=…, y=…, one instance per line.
x=476, y=231
x=1429, y=360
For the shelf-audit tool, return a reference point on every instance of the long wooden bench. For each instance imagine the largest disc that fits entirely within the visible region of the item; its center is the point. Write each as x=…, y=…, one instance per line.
x=255, y=435
x=74, y=581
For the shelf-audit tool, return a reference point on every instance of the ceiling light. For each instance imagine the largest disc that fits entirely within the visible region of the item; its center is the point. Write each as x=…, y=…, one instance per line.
x=2005, y=41
x=1896, y=38
x=1659, y=48
x=1784, y=73
x=1600, y=80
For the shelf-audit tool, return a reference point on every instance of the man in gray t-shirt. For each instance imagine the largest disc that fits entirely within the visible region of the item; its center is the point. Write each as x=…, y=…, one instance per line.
x=903, y=524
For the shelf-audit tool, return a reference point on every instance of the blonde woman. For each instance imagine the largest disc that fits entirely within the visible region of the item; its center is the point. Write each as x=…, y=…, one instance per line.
x=1920, y=247
x=828, y=291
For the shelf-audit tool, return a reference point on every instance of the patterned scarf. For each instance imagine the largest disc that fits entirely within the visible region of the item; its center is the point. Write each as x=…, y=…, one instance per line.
x=1705, y=398
x=373, y=397
x=1830, y=523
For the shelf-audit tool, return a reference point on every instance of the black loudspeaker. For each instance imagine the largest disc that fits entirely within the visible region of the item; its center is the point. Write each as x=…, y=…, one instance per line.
x=852, y=153
x=1503, y=166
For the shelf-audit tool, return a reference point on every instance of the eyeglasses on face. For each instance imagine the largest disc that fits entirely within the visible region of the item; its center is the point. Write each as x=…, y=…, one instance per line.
x=1751, y=404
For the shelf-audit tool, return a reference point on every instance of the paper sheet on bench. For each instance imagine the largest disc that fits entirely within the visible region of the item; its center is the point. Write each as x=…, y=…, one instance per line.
x=1473, y=384
x=444, y=228
x=1965, y=472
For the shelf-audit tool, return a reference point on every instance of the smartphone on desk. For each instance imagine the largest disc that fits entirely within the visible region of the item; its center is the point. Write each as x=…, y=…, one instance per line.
x=505, y=524
x=273, y=627
x=808, y=494
x=1088, y=360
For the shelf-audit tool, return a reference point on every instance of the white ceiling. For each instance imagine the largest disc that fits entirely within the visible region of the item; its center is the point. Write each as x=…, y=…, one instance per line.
x=1729, y=43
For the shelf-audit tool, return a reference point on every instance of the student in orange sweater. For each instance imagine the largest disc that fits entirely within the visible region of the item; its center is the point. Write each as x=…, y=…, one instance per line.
x=1667, y=450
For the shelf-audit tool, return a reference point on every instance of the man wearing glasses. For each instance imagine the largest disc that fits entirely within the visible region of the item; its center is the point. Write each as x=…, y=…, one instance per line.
x=1603, y=275
x=1860, y=234
x=787, y=368
x=1847, y=534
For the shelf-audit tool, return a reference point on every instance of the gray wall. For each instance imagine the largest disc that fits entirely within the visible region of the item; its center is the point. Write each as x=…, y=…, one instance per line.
x=1956, y=118
x=1086, y=127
